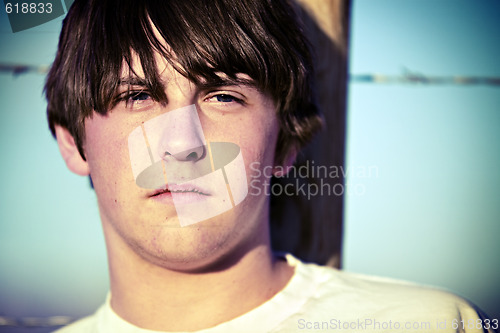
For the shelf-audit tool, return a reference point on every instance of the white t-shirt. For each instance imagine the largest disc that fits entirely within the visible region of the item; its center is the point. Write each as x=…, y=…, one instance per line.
x=323, y=299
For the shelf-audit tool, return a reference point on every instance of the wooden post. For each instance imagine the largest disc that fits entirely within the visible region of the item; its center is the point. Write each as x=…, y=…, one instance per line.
x=312, y=229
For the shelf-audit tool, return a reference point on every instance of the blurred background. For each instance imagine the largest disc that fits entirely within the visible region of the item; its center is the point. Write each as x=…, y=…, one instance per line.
x=423, y=147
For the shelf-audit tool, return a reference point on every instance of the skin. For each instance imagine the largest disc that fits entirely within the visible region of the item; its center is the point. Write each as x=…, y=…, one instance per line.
x=162, y=276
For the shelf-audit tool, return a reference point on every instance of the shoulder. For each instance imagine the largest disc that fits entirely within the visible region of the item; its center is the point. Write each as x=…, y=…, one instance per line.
x=344, y=297
x=84, y=325
x=346, y=285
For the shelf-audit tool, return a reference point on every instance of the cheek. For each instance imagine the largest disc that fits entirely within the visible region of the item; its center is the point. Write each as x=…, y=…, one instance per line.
x=259, y=151
x=260, y=140
x=106, y=150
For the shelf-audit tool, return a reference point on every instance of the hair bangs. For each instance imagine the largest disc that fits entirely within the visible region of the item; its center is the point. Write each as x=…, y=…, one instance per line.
x=200, y=47
x=180, y=34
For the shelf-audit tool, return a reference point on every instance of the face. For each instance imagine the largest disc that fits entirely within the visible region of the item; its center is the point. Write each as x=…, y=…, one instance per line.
x=147, y=218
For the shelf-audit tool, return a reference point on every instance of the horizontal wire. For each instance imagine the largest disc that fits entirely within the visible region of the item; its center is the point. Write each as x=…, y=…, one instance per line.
x=413, y=78
x=407, y=77
x=35, y=321
x=23, y=69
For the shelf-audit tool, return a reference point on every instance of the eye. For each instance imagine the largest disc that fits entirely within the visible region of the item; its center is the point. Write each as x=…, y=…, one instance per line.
x=139, y=96
x=135, y=99
x=224, y=98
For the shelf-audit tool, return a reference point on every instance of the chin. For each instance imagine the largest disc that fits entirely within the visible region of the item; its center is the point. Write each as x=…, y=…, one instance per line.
x=195, y=247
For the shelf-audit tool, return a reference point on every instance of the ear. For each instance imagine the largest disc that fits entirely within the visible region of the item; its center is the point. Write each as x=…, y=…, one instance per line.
x=282, y=169
x=70, y=153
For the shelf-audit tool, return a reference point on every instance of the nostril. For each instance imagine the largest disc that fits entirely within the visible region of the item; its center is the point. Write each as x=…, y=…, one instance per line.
x=192, y=156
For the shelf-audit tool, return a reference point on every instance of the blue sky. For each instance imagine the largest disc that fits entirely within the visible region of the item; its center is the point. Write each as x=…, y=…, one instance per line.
x=432, y=214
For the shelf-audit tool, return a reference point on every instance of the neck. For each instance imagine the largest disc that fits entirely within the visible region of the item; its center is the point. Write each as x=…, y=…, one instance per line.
x=157, y=298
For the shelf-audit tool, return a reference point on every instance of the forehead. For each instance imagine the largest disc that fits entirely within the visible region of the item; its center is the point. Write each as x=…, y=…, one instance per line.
x=134, y=67
x=168, y=69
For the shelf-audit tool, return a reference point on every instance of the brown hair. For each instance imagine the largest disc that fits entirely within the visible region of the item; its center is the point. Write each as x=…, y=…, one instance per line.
x=260, y=38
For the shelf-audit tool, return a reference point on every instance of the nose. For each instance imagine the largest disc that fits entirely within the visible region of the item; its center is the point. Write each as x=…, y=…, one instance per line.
x=182, y=139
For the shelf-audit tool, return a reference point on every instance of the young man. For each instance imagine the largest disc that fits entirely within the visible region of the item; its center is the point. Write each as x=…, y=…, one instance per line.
x=173, y=108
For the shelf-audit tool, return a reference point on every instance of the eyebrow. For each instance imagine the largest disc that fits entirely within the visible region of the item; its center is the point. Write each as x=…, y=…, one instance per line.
x=210, y=84
x=222, y=82
x=132, y=81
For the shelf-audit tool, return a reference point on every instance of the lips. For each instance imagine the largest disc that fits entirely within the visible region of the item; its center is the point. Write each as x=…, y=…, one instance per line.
x=182, y=188
x=179, y=194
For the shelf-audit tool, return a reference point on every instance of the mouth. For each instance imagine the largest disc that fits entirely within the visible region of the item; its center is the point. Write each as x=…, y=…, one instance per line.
x=179, y=190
